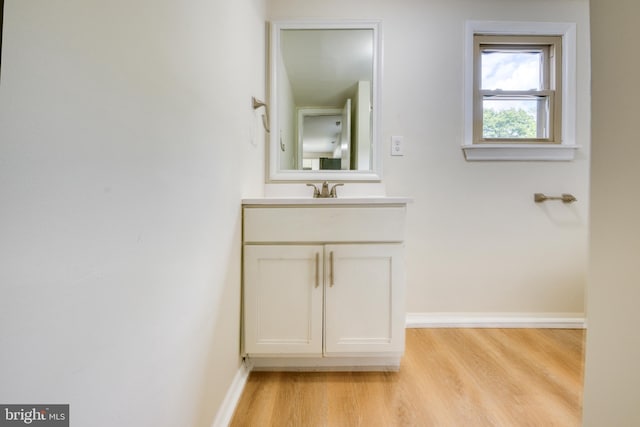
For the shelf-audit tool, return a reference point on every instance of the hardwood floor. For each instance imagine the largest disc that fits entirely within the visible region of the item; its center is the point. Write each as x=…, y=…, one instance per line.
x=448, y=377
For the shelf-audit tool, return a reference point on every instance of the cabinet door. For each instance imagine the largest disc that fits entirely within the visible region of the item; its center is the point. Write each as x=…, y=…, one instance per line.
x=364, y=299
x=283, y=299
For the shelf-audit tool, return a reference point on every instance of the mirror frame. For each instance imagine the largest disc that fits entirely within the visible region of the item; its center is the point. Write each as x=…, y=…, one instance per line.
x=274, y=173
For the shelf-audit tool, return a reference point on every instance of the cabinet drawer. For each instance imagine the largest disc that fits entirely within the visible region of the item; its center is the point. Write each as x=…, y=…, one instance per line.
x=324, y=224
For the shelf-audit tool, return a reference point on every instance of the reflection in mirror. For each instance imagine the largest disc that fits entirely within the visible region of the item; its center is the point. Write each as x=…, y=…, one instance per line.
x=324, y=95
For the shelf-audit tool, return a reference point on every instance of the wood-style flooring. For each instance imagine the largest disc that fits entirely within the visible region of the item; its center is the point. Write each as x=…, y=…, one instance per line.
x=448, y=377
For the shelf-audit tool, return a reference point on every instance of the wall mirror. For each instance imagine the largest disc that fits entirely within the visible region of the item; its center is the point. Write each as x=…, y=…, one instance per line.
x=324, y=99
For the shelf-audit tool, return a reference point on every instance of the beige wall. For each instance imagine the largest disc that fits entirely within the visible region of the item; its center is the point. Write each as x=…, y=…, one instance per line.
x=476, y=241
x=127, y=140
x=613, y=347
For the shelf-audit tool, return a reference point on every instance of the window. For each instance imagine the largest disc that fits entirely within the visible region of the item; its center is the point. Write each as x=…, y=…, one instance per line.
x=516, y=89
x=520, y=96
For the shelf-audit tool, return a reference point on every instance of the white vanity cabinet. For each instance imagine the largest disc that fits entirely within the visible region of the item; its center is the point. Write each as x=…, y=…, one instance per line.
x=283, y=299
x=323, y=284
x=364, y=299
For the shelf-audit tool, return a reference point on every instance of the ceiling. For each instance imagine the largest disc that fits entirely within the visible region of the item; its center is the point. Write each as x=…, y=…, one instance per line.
x=324, y=66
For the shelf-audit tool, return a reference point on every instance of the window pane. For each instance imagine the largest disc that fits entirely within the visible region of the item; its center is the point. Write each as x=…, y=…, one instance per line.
x=515, y=118
x=511, y=70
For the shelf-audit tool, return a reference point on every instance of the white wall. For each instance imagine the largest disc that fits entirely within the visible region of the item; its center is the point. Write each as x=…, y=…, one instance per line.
x=476, y=241
x=127, y=140
x=612, y=376
x=362, y=134
x=286, y=114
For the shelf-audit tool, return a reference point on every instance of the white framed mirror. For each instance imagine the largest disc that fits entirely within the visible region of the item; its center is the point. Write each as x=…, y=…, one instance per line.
x=324, y=95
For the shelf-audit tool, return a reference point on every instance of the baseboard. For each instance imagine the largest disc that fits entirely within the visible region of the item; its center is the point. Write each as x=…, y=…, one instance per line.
x=226, y=410
x=496, y=320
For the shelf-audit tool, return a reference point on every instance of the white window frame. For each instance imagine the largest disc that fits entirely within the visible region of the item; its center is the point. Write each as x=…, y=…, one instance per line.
x=563, y=151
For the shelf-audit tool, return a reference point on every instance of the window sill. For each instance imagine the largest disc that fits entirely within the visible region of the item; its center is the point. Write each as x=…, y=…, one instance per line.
x=540, y=152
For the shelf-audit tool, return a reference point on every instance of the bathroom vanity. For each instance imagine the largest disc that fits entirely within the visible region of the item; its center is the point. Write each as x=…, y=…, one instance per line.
x=324, y=278
x=323, y=283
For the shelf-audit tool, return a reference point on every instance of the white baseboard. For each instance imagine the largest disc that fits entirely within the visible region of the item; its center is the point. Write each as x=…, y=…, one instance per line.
x=496, y=320
x=226, y=410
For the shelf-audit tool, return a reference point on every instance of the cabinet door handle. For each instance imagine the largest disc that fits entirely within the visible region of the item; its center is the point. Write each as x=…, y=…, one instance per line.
x=317, y=269
x=331, y=281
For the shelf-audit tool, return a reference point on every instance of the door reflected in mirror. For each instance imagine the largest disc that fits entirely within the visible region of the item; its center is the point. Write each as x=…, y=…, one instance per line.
x=324, y=95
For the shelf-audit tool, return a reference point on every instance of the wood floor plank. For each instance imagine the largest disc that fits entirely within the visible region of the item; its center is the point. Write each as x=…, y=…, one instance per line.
x=448, y=377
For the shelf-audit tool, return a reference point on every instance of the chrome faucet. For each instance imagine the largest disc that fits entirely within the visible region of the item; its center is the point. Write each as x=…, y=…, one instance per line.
x=325, y=192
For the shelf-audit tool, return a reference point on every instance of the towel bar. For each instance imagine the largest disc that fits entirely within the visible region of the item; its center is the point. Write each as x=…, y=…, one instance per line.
x=566, y=198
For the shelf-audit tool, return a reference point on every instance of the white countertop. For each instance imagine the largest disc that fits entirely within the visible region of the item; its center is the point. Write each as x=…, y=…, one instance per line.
x=373, y=200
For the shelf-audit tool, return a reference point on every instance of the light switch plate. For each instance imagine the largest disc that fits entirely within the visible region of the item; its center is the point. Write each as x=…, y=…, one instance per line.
x=397, y=146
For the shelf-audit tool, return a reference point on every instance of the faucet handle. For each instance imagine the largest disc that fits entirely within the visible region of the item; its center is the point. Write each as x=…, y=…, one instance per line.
x=334, y=192
x=316, y=192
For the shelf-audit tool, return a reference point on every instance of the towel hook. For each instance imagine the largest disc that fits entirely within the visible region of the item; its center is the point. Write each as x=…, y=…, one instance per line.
x=265, y=117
